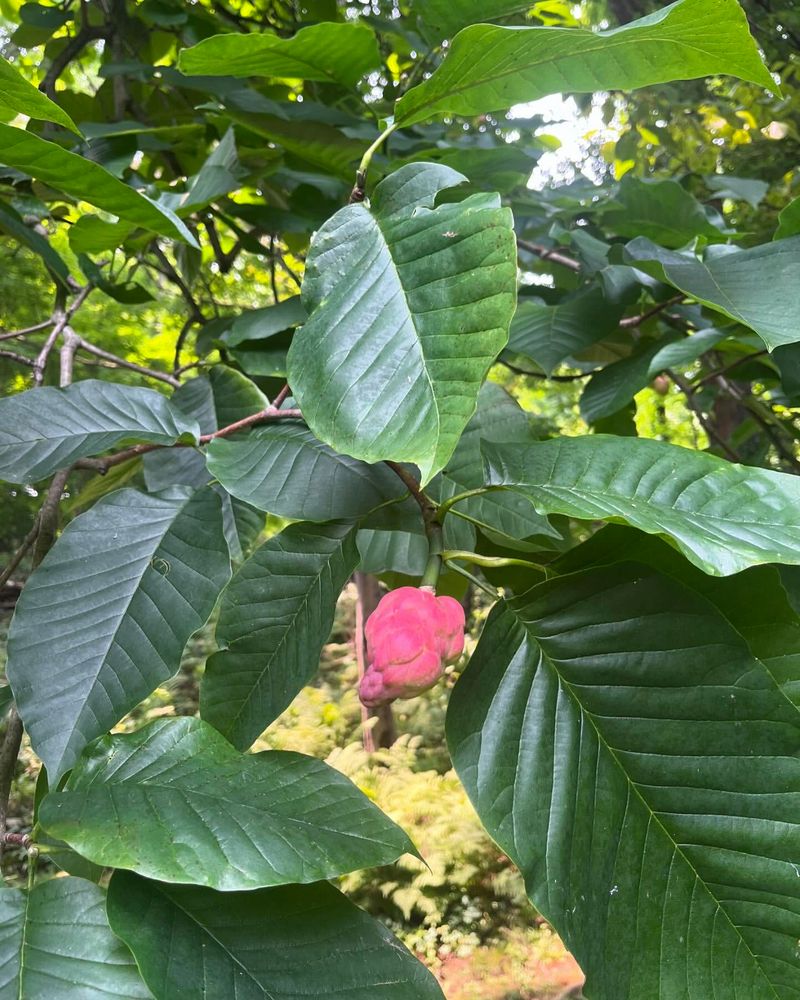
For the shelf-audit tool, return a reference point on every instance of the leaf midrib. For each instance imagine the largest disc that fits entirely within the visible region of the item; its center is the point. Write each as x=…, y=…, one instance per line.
x=633, y=788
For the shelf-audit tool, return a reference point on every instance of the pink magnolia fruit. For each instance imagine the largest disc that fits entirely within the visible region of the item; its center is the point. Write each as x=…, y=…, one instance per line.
x=411, y=636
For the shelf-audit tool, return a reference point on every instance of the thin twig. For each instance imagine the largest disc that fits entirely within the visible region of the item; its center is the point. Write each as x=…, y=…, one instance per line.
x=40, y=364
x=71, y=342
x=728, y=368
x=19, y=555
x=20, y=359
x=541, y=375
x=84, y=345
x=713, y=434
x=629, y=321
x=11, y=334
x=547, y=254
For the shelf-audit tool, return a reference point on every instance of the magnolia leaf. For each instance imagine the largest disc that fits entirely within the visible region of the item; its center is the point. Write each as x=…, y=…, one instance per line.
x=490, y=68
x=56, y=942
x=271, y=944
x=174, y=801
x=723, y=517
x=626, y=749
x=282, y=468
x=275, y=616
x=87, y=181
x=326, y=52
x=22, y=98
x=408, y=306
x=755, y=287
x=660, y=210
x=47, y=429
x=105, y=617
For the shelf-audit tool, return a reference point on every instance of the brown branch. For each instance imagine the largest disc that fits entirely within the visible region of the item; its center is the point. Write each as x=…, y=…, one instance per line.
x=19, y=555
x=84, y=345
x=28, y=329
x=542, y=375
x=784, y=449
x=728, y=368
x=713, y=434
x=67, y=356
x=629, y=321
x=40, y=364
x=102, y=465
x=88, y=33
x=20, y=359
x=546, y=253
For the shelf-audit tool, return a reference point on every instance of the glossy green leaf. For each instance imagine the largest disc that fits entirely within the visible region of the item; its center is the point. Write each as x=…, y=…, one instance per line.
x=275, y=616
x=11, y=222
x=87, y=181
x=174, y=801
x=789, y=221
x=282, y=468
x=46, y=429
x=447, y=18
x=626, y=749
x=749, y=189
x=723, y=517
x=272, y=944
x=327, y=52
x=498, y=418
x=549, y=335
x=262, y=324
x=22, y=98
x=608, y=390
x=104, y=619
x=755, y=287
x=91, y=234
x=55, y=942
x=661, y=210
x=490, y=68
x=408, y=307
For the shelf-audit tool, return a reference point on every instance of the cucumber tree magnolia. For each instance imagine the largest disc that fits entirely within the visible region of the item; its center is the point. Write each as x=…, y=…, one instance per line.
x=628, y=726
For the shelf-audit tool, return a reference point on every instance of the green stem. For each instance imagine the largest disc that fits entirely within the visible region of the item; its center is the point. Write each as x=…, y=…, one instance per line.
x=493, y=562
x=433, y=567
x=474, y=580
x=445, y=505
x=363, y=167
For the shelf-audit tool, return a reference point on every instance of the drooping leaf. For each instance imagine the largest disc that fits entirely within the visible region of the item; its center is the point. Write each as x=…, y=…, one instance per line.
x=608, y=390
x=105, y=617
x=282, y=468
x=47, y=429
x=327, y=52
x=275, y=616
x=749, y=189
x=789, y=221
x=174, y=801
x=660, y=210
x=12, y=223
x=261, y=324
x=626, y=749
x=408, y=307
x=551, y=334
x=752, y=286
x=86, y=180
x=723, y=517
x=490, y=68
x=22, y=98
x=447, y=18
x=55, y=942
x=272, y=944
x=498, y=418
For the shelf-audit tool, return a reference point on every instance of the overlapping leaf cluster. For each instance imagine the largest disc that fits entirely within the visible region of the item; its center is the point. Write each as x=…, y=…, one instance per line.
x=628, y=726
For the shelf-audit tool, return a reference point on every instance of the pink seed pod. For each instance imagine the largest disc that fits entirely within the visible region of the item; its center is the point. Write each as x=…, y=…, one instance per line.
x=411, y=636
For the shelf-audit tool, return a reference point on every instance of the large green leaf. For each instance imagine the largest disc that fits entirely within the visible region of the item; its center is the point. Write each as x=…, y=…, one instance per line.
x=498, y=418
x=46, y=429
x=12, y=223
x=447, y=18
x=327, y=52
x=22, y=98
x=105, y=617
x=626, y=749
x=175, y=801
x=789, y=220
x=549, y=334
x=272, y=944
x=755, y=287
x=723, y=517
x=612, y=387
x=408, y=307
x=489, y=68
x=661, y=210
x=87, y=181
x=275, y=616
x=282, y=468
x=55, y=942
